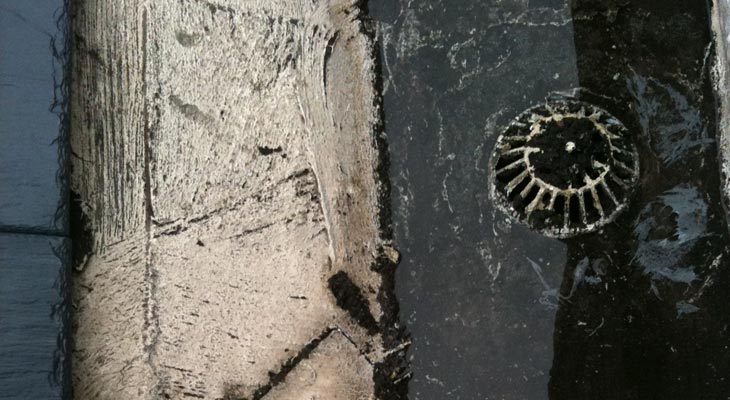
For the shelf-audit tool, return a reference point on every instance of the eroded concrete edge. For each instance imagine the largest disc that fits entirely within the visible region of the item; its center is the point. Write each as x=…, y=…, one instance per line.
x=721, y=31
x=108, y=225
x=356, y=188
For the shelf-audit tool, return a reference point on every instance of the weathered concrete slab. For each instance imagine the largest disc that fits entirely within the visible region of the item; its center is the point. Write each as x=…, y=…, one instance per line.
x=110, y=320
x=228, y=173
x=33, y=315
x=227, y=168
x=32, y=158
x=110, y=324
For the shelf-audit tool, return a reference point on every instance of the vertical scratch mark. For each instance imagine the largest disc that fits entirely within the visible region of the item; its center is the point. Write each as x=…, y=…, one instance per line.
x=151, y=323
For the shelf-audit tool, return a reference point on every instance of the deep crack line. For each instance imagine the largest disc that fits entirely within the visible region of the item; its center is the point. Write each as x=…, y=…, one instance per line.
x=276, y=378
x=151, y=321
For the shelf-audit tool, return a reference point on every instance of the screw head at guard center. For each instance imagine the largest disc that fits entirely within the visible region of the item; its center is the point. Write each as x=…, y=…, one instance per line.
x=564, y=168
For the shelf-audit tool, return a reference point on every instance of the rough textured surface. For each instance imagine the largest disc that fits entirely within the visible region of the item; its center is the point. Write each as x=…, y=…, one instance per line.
x=333, y=371
x=111, y=357
x=226, y=165
x=721, y=31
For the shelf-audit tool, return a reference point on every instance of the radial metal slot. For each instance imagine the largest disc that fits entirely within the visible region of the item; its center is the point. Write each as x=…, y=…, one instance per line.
x=564, y=168
x=512, y=166
x=597, y=202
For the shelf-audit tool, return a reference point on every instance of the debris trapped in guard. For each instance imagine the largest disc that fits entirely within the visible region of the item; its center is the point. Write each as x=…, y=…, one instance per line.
x=564, y=168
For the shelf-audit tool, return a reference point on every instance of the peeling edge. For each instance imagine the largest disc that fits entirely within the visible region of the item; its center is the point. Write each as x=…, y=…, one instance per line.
x=720, y=18
x=390, y=376
x=61, y=373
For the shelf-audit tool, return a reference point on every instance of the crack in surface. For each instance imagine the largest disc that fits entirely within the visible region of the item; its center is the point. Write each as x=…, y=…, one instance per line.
x=182, y=224
x=151, y=319
x=276, y=378
x=252, y=230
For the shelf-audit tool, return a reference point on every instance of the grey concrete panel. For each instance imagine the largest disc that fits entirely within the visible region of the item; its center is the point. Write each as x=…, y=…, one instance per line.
x=31, y=155
x=33, y=312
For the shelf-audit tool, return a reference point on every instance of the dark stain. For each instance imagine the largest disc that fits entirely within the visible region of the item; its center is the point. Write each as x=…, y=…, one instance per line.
x=267, y=151
x=297, y=175
x=188, y=39
x=80, y=232
x=349, y=297
x=247, y=232
x=175, y=230
x=214, y=8
x=191, y=111
x=327, y=54
x=390, y=376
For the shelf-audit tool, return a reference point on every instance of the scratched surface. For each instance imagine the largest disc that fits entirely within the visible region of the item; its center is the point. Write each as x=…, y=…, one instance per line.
x=495, y=311
x=213, y=117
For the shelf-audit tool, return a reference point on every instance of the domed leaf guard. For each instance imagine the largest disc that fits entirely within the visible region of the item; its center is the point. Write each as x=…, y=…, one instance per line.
x=564, y=168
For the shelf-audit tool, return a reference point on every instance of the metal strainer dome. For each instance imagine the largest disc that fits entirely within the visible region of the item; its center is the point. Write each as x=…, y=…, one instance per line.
x=564, y=168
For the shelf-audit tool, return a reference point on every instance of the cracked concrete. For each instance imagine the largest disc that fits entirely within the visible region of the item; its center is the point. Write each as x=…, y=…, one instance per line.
x=226, y=167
